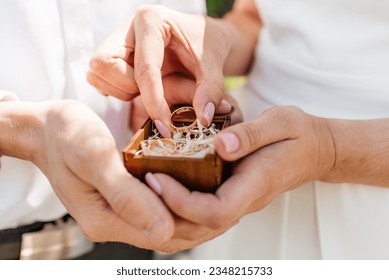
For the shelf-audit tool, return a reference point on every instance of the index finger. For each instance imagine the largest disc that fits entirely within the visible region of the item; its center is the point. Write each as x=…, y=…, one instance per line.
x=149, y=54
x=110, y=68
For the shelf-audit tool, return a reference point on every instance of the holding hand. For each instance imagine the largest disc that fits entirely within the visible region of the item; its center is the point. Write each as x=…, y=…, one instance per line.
x=280, y=150
x=77, y=153
x=79, y=157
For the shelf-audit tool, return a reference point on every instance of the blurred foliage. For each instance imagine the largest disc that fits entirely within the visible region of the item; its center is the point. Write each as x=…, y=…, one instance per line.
x=232, y=83
x=217, y=8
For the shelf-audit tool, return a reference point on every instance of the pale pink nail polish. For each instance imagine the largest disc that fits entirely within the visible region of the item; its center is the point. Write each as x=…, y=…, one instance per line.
x=209, y=111
x=162, y=129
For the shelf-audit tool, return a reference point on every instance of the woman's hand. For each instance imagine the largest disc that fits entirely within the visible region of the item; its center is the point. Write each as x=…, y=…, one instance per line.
x=159, y=42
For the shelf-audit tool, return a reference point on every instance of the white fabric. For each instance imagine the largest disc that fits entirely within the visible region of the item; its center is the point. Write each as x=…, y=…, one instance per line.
x=330, y=58
x=4, y=93
x=44, y=53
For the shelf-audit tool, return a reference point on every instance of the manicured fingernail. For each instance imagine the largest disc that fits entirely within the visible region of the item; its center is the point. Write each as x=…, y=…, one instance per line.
x=153, y=183
x=158, y=229
x=230, y=142
x=209, y=111
x=162, y=129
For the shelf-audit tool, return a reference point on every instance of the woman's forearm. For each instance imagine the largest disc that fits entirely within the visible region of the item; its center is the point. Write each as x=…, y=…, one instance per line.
x=244, y=24
x=361, y=151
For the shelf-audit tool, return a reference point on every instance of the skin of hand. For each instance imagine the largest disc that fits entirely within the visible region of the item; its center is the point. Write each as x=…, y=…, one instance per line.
x=159, y=42
x=77, y=153
x=75, y=150
x=86, y=172
x=7, y=97
x=175, y=85
x=278, y=151
x=88, y=176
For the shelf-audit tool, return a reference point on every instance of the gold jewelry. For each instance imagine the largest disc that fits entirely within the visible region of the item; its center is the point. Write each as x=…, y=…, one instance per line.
x=185, y=128
x=163, y=143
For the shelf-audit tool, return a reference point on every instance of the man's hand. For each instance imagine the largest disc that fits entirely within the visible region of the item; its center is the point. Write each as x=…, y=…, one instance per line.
x=75, y=150
x=77, y=153
x=280, y=150
x=79, y=157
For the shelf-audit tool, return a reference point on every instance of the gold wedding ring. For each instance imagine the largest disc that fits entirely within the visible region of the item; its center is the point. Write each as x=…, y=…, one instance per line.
x=176, y=114
x=169, y=143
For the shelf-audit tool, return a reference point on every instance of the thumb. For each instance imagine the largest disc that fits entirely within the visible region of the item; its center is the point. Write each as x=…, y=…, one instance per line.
x=237, y=141
x=208, y=96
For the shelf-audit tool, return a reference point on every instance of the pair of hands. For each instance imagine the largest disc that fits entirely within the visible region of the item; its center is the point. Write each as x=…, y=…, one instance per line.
x=280, y=150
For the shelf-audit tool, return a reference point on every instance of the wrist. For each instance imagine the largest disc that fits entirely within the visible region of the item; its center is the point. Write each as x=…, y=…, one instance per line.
x=243, y=33
x=21, y=127
x=218, y=40
x=360, y=149
x=326, y=148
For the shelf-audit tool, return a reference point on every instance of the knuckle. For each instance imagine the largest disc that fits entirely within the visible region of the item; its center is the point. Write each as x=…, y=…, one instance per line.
x=78, y=157
x=146, y=12
x=132, y=89
x=144, y=70
x=100, y=75
x=274, y=112
x=103, y=145
x=216, y=219
x=216, y=87
x=91, y=79
x=283, y=113
x=97, y=64
x=290, y=118
x=123, y=205
x=179, y=205
x=251, y=134
x=127, y=97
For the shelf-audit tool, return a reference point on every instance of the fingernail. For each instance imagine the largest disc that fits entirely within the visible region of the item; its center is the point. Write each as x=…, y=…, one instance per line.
x=230, y=142
x=153, y=183
x=209, y=111
x=157, y=230
x=162, y=129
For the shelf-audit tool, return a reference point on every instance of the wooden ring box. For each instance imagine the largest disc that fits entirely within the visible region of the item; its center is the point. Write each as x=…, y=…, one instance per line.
x=200, y=174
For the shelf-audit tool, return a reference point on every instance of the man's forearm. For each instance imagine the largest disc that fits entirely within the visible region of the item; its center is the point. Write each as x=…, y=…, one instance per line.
x=20, y=126
x=361, y=151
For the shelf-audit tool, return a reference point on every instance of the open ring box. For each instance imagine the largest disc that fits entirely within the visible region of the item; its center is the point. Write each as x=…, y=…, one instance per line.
x=201, y=174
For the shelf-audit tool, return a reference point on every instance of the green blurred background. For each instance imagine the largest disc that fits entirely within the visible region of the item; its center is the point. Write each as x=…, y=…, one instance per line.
x=217, y=8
